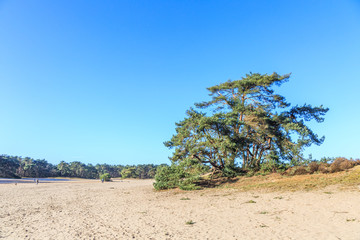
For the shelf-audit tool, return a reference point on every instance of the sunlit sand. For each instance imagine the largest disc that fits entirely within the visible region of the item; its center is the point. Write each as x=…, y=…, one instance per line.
x=132, y=209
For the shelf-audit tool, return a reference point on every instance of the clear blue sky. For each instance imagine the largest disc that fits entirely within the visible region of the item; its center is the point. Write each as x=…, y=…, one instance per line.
x=105, y=81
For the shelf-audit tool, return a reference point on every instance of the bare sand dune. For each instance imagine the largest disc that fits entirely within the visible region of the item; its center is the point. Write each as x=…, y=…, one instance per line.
x=133, y=210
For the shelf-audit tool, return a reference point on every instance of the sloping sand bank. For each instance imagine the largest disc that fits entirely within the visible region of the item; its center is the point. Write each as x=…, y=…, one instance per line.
x=132, y=209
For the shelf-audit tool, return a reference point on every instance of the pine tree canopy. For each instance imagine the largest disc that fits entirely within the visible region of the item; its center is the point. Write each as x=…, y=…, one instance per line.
x=245, y=124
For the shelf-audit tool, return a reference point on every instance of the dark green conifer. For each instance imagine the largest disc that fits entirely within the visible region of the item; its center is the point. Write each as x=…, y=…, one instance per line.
x=248, y=121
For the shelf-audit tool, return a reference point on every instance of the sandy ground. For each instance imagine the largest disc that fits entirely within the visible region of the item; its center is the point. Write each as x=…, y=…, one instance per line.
x=133, y=210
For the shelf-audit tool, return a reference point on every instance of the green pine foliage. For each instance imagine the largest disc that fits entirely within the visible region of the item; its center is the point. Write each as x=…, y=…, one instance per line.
x=245, y=126
x=183, y=175
x=106, y=177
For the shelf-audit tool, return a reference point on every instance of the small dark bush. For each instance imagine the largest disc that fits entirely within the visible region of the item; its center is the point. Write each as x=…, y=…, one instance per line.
x=313, y=167
x=300, y=171
x=340, y=164
x=335, y=165
x=323, y=168
x=347, y=164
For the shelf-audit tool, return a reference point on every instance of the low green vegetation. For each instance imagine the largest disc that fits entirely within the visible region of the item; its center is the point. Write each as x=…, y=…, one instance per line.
x=184, y=175
x=351, y=219
x=190, y=222
x=106, y=177
x=185, y=198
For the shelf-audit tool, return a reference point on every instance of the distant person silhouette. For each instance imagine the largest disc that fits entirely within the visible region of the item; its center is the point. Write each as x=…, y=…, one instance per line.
x=102, y=180
x=37, y=181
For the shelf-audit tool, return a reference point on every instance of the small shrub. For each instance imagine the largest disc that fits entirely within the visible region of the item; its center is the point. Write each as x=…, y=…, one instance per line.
x=340, y=164
x=300, y=171
x=269, y=166
x=250, y=173
x=166, y=178
x=335, y=166
x=357, y=161
x=313, y=167
x=351, y=219
x=272, y=163
x=185, y=198
x=106, y=177
x=184, y=175
x=323, y=168
x=190, y=222
x=347, y=164
x=230, y=171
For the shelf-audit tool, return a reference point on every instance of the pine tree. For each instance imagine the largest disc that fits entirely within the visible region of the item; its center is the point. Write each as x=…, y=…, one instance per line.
x=248, y=122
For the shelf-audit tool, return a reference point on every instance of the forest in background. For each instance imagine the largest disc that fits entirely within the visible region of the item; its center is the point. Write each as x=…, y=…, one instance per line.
x=18, y=167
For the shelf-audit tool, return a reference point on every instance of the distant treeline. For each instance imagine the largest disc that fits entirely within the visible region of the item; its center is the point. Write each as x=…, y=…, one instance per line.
x=18, y=167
